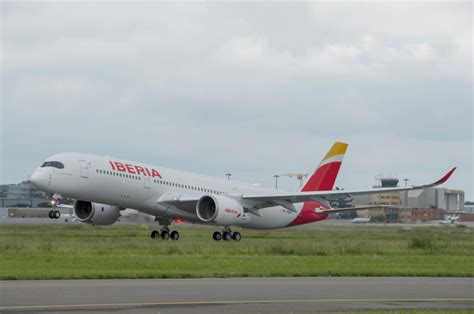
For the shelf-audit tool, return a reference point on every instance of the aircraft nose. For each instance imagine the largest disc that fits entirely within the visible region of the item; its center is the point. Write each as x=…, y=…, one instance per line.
x=38, y=179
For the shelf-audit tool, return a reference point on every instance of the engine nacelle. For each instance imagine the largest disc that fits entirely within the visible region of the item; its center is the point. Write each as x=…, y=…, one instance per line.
x=96, y=214
x=220, y=210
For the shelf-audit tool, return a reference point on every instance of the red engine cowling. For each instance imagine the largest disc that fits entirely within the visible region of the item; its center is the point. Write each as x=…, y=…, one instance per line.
x=220, y=210
x=96, y=214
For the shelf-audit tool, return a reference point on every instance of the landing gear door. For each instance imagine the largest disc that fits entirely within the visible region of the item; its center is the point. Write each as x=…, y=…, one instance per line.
x=84, y=169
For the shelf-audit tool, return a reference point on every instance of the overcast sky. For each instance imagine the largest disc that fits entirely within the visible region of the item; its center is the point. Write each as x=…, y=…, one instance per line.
x=251, y=89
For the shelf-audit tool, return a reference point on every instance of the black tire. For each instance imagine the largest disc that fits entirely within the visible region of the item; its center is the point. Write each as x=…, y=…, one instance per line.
x=155, y=234
x=50, y=214
x=227, y=236
x=174, y=235
x=236, y=236
x=57, y=214
x=217, y=236
x=165, y=235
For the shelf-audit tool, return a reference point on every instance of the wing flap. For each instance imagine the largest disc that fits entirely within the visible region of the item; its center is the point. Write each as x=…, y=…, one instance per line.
x=338, y=210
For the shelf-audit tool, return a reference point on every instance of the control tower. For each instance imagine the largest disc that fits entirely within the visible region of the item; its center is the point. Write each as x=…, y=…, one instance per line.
x=389, y=198
x=386, y=182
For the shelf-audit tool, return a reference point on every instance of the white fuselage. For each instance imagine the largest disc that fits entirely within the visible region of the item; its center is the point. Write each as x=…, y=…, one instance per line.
x=140, y=186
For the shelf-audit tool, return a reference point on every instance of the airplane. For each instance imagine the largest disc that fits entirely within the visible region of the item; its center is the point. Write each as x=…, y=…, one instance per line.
x=68, y=217
x=104, y=186
x=451, y=220
x=359, y=220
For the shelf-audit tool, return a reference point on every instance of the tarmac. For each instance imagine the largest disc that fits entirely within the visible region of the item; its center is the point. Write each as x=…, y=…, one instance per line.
x=237, y=295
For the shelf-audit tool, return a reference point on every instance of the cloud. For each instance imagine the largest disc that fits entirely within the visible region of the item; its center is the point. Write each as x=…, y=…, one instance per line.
x=366, y=57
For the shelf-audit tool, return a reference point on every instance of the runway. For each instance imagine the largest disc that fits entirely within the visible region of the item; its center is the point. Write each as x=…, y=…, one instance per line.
x=236, y=295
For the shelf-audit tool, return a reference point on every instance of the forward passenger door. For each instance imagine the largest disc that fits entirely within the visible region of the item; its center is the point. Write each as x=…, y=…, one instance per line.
x=84, y=169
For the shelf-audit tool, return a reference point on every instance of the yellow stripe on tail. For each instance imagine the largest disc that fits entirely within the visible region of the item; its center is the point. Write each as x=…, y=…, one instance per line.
x=338, y=148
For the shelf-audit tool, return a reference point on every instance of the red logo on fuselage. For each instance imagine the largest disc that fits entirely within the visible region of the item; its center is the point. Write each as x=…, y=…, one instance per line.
x=232, y=211
x=133, y=169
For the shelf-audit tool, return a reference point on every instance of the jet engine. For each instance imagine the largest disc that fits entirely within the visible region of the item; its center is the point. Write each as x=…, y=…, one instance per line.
x=95, y=213
x=220, y=210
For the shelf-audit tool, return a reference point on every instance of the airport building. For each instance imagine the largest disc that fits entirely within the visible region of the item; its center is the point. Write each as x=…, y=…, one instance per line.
x=446, y=199
x=24, y=190
x=469, y=207
x=23, y=194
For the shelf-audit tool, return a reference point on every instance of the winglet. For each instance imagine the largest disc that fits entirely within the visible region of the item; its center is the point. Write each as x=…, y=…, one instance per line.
x=445, y=178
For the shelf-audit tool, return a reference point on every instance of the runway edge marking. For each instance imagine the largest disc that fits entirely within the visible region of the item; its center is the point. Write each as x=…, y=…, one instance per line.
x=105, y=305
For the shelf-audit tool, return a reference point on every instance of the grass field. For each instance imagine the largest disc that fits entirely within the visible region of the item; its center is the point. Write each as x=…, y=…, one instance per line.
x=125, y=251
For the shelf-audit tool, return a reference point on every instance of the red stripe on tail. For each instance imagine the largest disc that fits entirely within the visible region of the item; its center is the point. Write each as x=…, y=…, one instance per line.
x=324, y=178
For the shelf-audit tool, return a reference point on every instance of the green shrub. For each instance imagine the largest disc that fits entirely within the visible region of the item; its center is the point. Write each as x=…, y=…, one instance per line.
x=421, y=243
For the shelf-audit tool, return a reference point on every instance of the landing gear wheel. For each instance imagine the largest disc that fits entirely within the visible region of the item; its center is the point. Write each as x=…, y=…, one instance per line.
x=217, y=236
x=51, y=214
x=165, y=235
x=174, y=235
x=236, y=236
x=56, y=214
x=155, y=234
x=227, y=236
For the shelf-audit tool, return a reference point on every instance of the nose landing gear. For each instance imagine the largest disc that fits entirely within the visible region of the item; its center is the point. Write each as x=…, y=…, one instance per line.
x=54, y=201
x=54, y=214
x=226, y=235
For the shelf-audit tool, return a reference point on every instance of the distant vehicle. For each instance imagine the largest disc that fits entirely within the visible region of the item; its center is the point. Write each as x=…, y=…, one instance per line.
x=103, y=187
x=361, y=220
x=451, y=220
x=69, y=217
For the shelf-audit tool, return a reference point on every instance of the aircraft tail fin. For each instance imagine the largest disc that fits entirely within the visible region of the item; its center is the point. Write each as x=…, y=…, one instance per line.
x=325, y=175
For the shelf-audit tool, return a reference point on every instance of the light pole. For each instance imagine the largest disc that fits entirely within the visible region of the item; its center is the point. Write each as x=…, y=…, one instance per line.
x=276, y=181
x=228, y=175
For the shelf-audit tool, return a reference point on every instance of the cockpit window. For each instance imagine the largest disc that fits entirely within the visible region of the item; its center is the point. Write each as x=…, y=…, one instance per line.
x=55, y=164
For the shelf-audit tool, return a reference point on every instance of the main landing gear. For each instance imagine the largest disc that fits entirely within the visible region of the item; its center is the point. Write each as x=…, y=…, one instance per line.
x=226, y=235
x=165, y=234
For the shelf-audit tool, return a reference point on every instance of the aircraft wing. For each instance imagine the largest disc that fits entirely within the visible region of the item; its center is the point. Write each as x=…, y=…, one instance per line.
x=300, y=197
x=253, y=202
x=176, y=199
x=186, y=203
